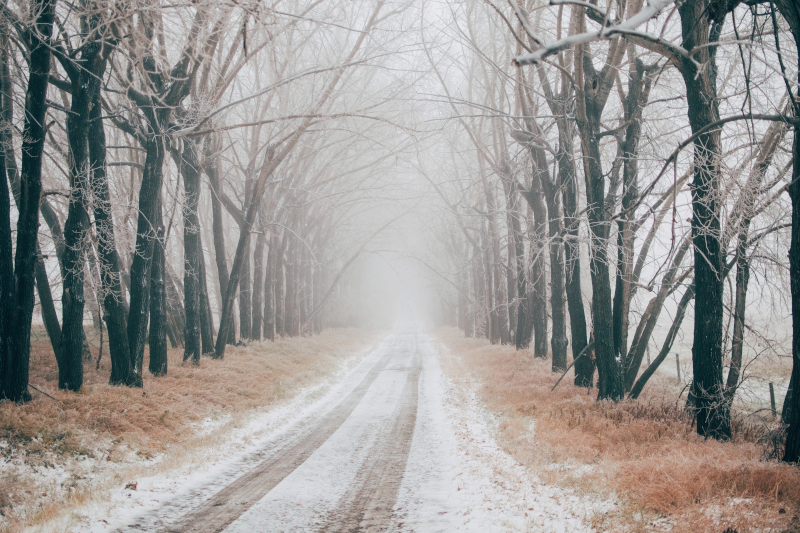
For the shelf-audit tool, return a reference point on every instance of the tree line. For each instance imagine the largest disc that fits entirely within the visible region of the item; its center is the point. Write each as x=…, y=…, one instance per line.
x=652, y=144
x=198, y=166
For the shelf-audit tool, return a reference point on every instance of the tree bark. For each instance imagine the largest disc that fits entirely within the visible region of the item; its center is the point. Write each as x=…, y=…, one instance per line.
x=149, y=204
x=258, y=286
x=269, y=289
x=84, y=83
x=49, y=316
x=700, y=30
x=245, y=296
x=791, y=12
x=206, y=318
x=157, y=339
x=591, y=96
x=192, y=252
x=111, y=280
x=14, y=380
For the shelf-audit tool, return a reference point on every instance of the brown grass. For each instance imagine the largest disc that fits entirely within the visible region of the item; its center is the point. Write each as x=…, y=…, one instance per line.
x=115, y=425
x=645, y=452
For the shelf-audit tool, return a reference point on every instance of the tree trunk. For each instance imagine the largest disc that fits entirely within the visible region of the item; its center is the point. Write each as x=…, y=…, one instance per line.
x=291, y=290
x=14, y=380
x=206, y=318
x=637, y=388
x=245, y=296
x=591, y=96
x=84, y=84
x=49, y=316
x=699, y=30
x=280, y=293
x=269, y=289
x=217, y=224
x=791, y=12
x=157, y=340
x=538, y=249
x=258, y=286
x=6, y=241
x=149, y=207
x=192, y=252
x=111, y=280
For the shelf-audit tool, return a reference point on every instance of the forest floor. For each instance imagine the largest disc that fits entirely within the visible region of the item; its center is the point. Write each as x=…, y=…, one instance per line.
x=645, y=455
x=73, y=450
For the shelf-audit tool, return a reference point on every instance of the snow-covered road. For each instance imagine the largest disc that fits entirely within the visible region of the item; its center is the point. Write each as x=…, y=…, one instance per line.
x=395, y=447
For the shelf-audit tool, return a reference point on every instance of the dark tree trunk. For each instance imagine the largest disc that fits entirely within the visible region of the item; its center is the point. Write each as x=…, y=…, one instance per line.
x=792, y=453
x=523, y=310
x=84, y=84
x=538, y=247
x=49, y=316
x=206, y=318
x=584, y=367
x=157, y=339
x=14, y=380
x=258, y=286
x=280, y=293
x=791, y=12
x=245, y=296
x=192, y=252
x=217, y=224
x=592, y=95
x=113, y=295
x=699, y=30
x=6, y=242
x=269, y=289
x=149, y=208
x=638, y=91
x=637, y=388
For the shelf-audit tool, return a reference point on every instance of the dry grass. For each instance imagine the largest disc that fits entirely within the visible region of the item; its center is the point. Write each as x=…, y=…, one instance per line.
x=644, y=452
x=119, y=427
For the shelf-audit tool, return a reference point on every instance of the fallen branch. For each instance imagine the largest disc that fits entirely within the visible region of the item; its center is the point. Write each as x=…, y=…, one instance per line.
x=43, y=392
x=583, y=352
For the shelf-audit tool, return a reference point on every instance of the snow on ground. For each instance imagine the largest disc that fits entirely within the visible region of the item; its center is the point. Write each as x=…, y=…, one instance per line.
x=475, y=485
x=457, y=477
x=202, y=472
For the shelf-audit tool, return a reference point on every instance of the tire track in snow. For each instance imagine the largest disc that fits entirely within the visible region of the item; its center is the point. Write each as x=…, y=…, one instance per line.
x=369, y=505
x=231, y=502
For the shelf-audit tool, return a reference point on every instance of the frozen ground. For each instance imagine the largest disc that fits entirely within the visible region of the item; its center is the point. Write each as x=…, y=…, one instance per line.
x=394, y=446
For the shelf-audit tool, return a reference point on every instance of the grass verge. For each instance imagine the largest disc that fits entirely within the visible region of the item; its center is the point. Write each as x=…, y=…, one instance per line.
x=645, y=452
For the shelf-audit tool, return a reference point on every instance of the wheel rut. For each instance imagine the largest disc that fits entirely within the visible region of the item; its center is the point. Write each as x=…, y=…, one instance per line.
x=228, y=504
x=369, y=505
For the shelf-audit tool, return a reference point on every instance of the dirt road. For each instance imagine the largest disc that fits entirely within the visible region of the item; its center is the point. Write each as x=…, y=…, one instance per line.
x=383, y=454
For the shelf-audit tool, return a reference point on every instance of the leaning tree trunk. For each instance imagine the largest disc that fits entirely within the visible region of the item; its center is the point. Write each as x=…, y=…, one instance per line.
x=48, y=308
x=206, y=317
x=15, y=360
x=111, y=280
x=584, y=367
